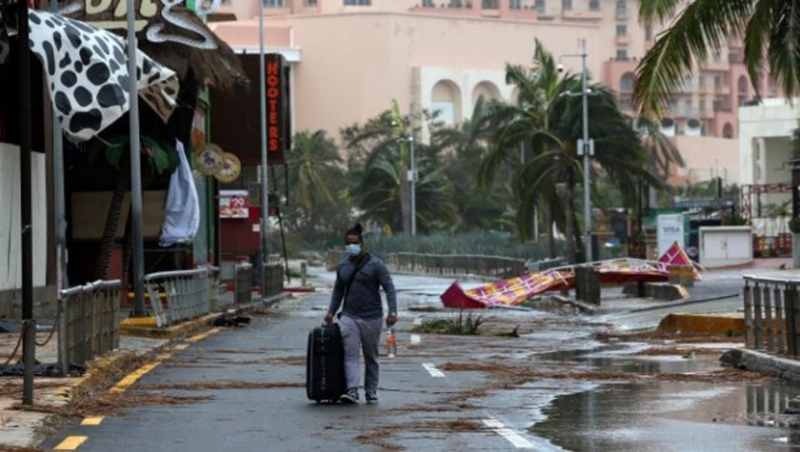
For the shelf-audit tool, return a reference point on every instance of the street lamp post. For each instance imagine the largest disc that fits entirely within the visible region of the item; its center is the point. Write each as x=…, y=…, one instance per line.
x=413, y=181
x=586, y=148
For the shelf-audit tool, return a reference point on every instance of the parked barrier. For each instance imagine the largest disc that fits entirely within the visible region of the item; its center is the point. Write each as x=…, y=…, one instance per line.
x=242, y=284
x=89, y=322
x=273, y=280
x=186, y=293
x=772, y=314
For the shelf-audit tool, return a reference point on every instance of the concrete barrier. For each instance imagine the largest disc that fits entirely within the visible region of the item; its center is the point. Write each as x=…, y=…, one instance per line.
x=658, y=291
x=702, y=324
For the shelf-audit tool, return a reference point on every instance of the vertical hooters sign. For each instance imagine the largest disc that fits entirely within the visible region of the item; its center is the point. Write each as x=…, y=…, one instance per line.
x=279, y=128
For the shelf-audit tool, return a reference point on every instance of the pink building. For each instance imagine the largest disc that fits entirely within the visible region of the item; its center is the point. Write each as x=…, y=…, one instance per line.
x=352, y=57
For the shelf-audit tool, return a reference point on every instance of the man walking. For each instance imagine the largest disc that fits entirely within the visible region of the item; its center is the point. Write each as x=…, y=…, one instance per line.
x=359, y=278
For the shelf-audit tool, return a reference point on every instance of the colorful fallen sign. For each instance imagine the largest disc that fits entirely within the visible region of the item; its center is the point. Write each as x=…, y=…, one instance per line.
x=512, y=292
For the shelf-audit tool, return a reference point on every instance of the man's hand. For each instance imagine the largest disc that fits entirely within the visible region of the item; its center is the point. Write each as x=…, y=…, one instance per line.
x=391, y=319
x=329, y=318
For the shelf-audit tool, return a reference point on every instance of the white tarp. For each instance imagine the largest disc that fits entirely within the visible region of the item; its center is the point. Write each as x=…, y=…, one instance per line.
x=10, y=235
x=182, y=209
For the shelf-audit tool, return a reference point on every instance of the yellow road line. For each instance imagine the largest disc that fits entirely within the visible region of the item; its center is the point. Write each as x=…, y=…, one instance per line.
x=92, y=420
x=131, y=378
x=204, y=335
x=181, y=346
x=71, y=442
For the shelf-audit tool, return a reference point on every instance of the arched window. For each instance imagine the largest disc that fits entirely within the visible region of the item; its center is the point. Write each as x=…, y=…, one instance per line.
x=727, y=130
x=488, y=90
x=446, y=99
x=626, y=82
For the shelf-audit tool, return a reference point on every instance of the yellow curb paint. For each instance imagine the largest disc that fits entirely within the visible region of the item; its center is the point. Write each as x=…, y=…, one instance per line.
x=131, y=378
x=181, y=346
x=141, y=322
x=71, y=442
x=203, y=335
x=93, y=420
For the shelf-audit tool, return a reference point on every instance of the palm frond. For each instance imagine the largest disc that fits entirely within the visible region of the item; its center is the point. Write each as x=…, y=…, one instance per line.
x=702, y=26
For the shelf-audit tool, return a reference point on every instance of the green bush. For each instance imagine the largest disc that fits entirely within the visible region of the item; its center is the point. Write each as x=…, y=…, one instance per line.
x=463, y=325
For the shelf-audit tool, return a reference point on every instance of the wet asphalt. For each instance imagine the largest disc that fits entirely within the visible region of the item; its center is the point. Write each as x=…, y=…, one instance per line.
x=445, y=393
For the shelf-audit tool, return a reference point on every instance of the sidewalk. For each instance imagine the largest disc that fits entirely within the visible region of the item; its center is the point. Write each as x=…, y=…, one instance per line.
x=24, y=427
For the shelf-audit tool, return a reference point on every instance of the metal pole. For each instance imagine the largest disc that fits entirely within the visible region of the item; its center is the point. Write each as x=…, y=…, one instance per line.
x=28, y=323
x=587, y=200
x=262, y=81
x=59, y=203
x=413, y=190
x=136, y=172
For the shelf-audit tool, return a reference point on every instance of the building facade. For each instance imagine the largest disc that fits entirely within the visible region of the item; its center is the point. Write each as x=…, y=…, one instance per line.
x=352, y=57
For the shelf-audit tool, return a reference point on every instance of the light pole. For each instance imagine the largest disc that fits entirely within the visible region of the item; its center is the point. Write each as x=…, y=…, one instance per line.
x=412, y=177
x=586, y=148
x=262, y=82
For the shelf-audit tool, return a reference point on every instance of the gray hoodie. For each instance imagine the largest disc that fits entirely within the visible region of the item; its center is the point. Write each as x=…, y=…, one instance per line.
x=364, y=298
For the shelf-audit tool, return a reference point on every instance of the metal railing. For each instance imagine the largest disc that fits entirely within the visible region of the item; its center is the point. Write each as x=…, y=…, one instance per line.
x=242, y=284
x=446, y=264
x=772, y=314
x=89, y=322
x=186, y=293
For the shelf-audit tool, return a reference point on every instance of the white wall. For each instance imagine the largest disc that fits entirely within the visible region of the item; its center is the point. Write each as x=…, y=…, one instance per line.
x=723, y=246
x=775, y=118
x=10, y=237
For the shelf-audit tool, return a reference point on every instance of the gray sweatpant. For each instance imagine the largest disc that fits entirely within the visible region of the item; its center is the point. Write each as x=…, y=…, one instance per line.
x=364, y=334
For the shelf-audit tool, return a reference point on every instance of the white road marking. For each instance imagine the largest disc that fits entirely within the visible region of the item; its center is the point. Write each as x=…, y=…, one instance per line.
x=433, y=370
x=418, y=321
x=510, y=435
x=416, y=339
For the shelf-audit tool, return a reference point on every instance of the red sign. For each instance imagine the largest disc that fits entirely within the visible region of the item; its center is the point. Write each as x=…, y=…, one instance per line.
x=278, y=122
x=234, y=204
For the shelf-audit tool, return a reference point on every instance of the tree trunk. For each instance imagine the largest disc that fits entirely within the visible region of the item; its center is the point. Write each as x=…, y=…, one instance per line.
x=112, y=221
x=569, y=210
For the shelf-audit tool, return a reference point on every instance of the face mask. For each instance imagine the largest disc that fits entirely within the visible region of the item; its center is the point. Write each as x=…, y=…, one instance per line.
x=353, y=249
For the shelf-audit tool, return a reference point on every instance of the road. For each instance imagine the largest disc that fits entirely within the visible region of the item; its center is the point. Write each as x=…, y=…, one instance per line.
x=555, y=388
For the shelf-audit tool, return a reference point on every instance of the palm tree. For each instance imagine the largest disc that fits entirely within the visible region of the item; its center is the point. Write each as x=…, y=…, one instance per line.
x=467, y=144
x=312, y=170
x=379, y=137
x=770, y=29
x=550, y=124
x=661, y=150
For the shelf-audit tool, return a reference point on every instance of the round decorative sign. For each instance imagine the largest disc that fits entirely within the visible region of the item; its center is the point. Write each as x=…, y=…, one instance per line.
x=209, y=159
x=231, y=168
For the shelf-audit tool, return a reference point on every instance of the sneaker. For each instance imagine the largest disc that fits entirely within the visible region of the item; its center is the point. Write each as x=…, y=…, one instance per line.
x=349, y=397
x=372, y=397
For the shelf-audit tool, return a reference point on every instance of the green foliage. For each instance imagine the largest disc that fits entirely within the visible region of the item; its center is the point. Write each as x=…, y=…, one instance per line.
x=695, y=30
x=794, y=225
x=479, y=242
x=458, y=324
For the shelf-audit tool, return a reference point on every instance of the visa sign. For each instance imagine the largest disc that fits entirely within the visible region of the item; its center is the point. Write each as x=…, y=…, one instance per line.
x=670, y=230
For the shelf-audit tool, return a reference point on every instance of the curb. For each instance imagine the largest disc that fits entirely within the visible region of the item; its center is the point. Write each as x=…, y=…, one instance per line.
x=145, y=326
x=702, y=324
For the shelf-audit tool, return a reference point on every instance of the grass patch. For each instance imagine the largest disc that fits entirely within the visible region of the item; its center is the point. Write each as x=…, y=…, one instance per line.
x=458, y=324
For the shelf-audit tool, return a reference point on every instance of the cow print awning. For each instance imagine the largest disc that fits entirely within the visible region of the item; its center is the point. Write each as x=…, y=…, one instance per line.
x=87, y=74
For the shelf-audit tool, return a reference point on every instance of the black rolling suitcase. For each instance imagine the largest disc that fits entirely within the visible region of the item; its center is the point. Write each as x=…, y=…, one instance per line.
x=325, y=364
